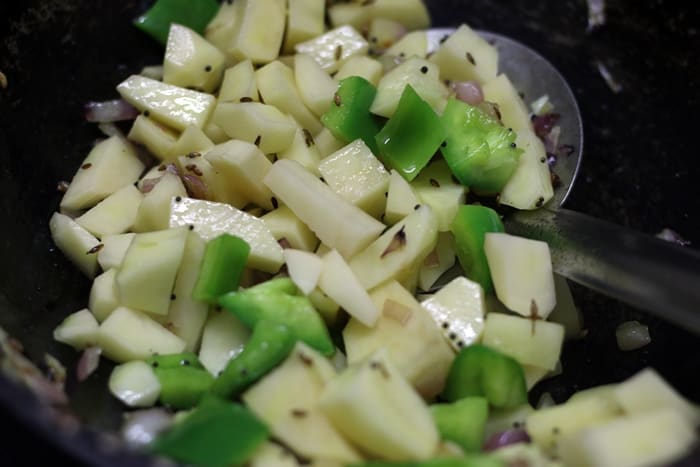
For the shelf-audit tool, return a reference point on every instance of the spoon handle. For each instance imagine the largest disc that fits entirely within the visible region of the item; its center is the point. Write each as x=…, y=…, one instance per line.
x=641, y=270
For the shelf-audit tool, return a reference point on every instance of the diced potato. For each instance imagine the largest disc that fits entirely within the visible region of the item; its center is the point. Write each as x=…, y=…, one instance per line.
x=111, y=165
x=409, y=335
x=645, y=439
x=316, y=87
x=334, y=47
x=273, y=455
x=513, y=111
x=171, y=105
x=79, y=330
x=413, y=44
x=334, y=220
x=278, y=87
x=376, y=409
x=258, y=123
x=131, y=335
x=647, y=391
x=354, y=14
x=103, y=295
x=212, y=219
x=363, y=66
x=531, y=342
x=222, y=28
x=285, y=226
x=401, y=199
x=343, y=287
x=382, y=33
x=239, y=83
x=146, y=277
x=135, y=384
x=215, y=133
x=259, y=36
x=441, y=259
x=459, y=309
x=304, y=150
x=565, y=311
x=522, y=275
x=466, y=56
x=243, y=165
x=305, y=20
x=191, y=61
x=186, y=315
x=401, y=248
x=216, y=186
x=424, y=78
x=287, y=401
x=113, y=215
x=411, y=13
x=154, y=210
x=154, y=136
x=304, y=269
x=327, y=308
x=530, y=186
x=533, y=375
x=502, y=420
x=192, y=140
x=326, y=143
x=358, y=176
x=223, y=338
x=436, y=187
x=112, y=253
x=79, y=245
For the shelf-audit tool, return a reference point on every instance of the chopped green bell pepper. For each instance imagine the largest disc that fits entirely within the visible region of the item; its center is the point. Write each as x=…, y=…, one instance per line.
x=480, y=152
x=462, y=422
x=411, y=136
x=269, y=344
x=480, y=460
x=175, y=360
x=217, y=434
x=184, y=386
x=222, y=267
x=195, y=14
x=349, y=117
x=479, y=370
x=470, y=225
x=279, y=300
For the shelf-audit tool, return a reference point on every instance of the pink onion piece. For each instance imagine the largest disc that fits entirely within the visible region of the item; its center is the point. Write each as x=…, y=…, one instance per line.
x=196, y=188
x=88, y=363
x=110, y=111
x=506, y=438
x=469, y=92
x=551, y=141
x=543, y=124
x=110, y=129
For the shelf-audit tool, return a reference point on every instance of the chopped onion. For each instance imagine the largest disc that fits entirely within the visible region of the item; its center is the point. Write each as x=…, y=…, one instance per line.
x=142, y=427
x=469, y=92
x=610, y=80
x=506, y=438
x=596, y=14
x=543, y=124
x=88, y=363
x=195, y=186
x=546, y=400
x=632, y=335
x=110, y=111
x=672, y=236
x=551, y=140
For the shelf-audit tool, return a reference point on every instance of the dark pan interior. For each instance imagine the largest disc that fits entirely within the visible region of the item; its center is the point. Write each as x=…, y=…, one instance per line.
x=640, y=167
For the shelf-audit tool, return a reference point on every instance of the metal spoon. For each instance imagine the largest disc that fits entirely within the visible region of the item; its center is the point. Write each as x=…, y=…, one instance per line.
x=640, y=270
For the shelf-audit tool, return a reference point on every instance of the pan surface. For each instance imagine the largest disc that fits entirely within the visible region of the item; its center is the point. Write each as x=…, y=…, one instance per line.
x=640, y=170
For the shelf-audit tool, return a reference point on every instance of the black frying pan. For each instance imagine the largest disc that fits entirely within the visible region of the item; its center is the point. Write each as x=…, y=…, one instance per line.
x=640, y=169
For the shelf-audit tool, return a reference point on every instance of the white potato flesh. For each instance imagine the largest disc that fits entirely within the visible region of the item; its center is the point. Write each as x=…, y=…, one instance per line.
x=413, y=44
x=191, y=61
x=135, y=384
x=223, y=338
x=522, y=274
x=79, y=330
x=79, y=245
x=192, y=140
x=435, y=187
x=113, y=215
x=401, y=199
x=334, y=47
x=363, y=66
x=466, y=56
x=316, y=87
x=217, y=189
x=272, y=130
x=305, y=150
x=439, y=261
x=305, y=20
x=110, y=165
x=260, y=30
x=335, y=221
x=154, y=210
x=154, y=136
x=530, y=186
x=212, y=219
x=286, y=227
x=239, y=83
x=103, y=295
x=513, y=111
x=112, y=253
x=171, y=105
x=304, y=269
x=146, y=277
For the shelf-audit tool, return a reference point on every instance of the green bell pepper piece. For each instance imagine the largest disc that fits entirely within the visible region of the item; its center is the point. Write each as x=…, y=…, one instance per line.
x=348, y=117
x=480, y=460
x=469, y=227
x=195, y=14
x=269, y=344
x=184, y=386
x=481, y=371
x=175, y=360
x=462, y=422
x=279, y=300
x=412, y=135
x=224, y=260
x=480, y=152
x=217, y=434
